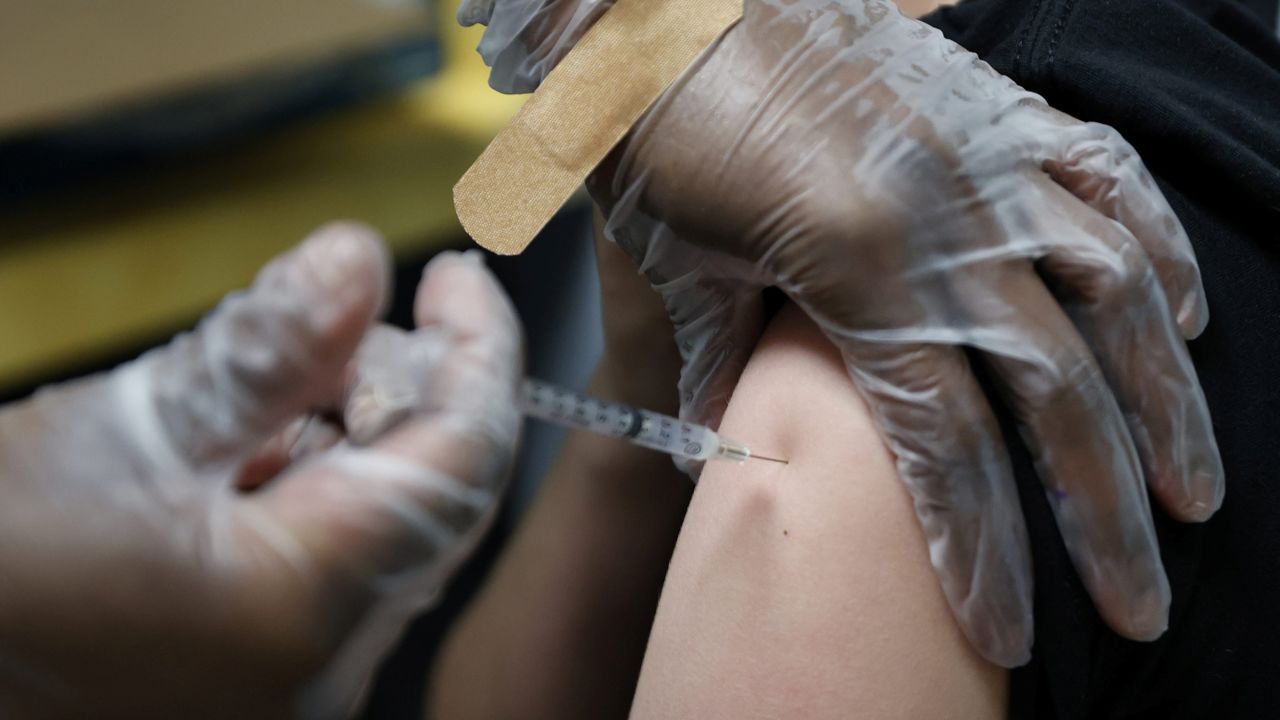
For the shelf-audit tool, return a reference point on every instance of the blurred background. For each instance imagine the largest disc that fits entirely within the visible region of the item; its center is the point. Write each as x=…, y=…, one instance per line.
x=153, y=155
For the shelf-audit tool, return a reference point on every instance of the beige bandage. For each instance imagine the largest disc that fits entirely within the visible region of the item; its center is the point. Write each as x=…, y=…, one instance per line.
x=586, y=105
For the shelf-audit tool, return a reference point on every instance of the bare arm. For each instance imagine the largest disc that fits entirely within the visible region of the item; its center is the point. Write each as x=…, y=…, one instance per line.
x=805, y=590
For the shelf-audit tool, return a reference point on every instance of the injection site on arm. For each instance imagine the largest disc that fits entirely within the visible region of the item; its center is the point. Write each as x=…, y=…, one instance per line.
x=805, y=590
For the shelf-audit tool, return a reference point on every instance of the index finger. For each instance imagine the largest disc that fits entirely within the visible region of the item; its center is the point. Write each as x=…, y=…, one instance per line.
x=1085, y=458
x=1101, y=168
x=1107, y=285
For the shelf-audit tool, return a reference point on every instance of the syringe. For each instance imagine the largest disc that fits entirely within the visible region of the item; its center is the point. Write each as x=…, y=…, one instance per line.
x=641, y=427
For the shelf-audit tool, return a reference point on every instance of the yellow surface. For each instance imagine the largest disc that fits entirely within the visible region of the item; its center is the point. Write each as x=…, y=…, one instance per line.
x=76, y=56
x=96, y=273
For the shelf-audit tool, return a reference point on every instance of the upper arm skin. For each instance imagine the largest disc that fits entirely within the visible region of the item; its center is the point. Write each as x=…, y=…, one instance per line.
x=805, y=590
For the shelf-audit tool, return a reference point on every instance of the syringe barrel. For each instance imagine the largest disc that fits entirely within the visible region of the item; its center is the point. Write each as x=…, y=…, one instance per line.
x=638, y=426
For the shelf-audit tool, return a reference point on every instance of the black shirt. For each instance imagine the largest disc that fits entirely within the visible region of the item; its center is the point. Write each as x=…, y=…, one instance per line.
x=1195, y=86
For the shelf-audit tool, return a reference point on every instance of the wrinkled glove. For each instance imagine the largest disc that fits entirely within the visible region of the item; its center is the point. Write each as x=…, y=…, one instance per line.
x=176, y=542
x=927, y=213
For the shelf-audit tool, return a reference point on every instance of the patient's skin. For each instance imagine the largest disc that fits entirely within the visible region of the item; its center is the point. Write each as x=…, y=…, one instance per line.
x=805, y=590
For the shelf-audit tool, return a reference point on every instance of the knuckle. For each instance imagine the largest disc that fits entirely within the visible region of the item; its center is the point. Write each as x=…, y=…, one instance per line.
x=1115, y=277
x=1072, y=381
x=1127, y=279
x=1112, y=138
x=1104, y=137
x=1101, y=149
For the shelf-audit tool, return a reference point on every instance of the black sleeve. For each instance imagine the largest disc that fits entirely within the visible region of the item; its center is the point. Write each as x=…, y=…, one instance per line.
x=1195, y=86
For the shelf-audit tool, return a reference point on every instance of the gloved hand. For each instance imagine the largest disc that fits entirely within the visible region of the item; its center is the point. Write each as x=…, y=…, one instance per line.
x=925, y=210
x=174, y=542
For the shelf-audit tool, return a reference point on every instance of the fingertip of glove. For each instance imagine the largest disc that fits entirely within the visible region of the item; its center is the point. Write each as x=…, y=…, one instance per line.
x=350, y=264
x=1005, y=641
x=459, y=290
x=470, y=266
x=475, y=12
x=1149, y=615
x=1010, y=658
x=1193, y=315
x=1207, y=493
x=1009, y=647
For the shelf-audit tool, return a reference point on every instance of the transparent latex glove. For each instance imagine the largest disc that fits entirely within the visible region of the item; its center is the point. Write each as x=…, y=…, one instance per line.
x=174, y=542
x=524, y=39
x=927, y=212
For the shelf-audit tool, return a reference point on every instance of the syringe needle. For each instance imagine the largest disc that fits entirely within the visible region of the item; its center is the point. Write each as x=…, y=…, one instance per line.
x=762, y=457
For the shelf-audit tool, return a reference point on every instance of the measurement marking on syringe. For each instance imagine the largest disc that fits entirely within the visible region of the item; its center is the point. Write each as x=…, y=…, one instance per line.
x=644, y=428
x=636, y=427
